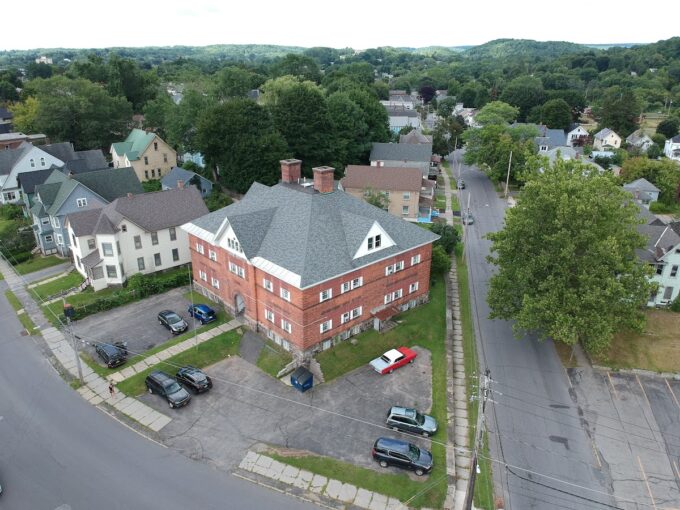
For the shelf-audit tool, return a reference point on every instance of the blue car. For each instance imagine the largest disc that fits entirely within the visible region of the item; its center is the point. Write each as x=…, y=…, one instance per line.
x=203, y=313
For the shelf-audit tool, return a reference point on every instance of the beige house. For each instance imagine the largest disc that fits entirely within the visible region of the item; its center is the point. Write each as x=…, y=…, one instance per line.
x=606, y=139
x=146, y=153
x=409, y=194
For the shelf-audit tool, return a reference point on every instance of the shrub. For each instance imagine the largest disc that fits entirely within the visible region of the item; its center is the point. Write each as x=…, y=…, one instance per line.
x=10, y=212
x=675, y=305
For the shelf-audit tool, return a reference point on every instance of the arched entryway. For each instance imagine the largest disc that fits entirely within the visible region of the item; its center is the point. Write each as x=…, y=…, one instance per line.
x=239, y=304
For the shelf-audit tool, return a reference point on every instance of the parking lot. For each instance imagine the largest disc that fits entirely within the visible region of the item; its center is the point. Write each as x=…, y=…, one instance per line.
x=340, y=419
x=136, y=323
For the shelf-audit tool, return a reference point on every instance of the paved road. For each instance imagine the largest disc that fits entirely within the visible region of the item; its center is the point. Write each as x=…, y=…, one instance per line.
x=526, y=431
x=59, y=452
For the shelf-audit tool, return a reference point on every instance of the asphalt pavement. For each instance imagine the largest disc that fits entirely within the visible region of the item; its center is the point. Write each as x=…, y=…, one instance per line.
x=59, y=452
x=542, y=460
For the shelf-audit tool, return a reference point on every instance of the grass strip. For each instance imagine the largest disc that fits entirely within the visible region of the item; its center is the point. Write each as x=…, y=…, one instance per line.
x=273, y=359
x=205, y=354
x=24, y=318
x=46, y=290
x=38, y=263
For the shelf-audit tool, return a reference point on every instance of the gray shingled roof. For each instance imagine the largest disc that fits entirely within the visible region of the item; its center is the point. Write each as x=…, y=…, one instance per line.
x=641, y=184
x=401, y=152
x=176, y=174
x=311, y=234
x=29, y=180
x=382, y=178
x=603, y=133
x=415, y=136
x=149, y=211
x=660, y=238
x=8, y=158
x=62, y=151
x=111, y=183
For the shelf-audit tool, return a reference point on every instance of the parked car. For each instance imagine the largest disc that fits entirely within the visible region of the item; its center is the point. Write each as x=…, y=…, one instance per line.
x=394, y=452
x=172, y=321
x=467, y=218
x=407, y=419
x=163, y=384
x=393, y=359
x=461, y=184
x=203, y=313
x=111, y=354
x=194, y=378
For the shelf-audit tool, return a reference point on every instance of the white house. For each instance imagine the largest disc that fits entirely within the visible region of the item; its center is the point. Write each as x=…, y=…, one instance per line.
x=576, y=135
x=133, y=234
x=606, y=139
x=663, y=254
x=25, y=158
x=672, y=148
x=640, y=140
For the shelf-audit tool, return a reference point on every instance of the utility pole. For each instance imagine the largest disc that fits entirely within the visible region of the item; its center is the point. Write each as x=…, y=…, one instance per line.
x=69, y=312
x=482, y=397
x=507, y=179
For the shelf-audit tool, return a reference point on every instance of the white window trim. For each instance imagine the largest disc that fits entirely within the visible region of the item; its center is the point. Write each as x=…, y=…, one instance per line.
x=268, y=285
x=326, y=326
x=285, y=294
x=49, y=238
x=60, y=239
x=203, y=276
x=215, y=282
x=359, y=282
x=269, y=315
x=415, y=259
x=81, y=202
x=212, y=255
x=413, y=287
x=286, y=326
x=327, y=291
x=345, y=287
x=199, y=248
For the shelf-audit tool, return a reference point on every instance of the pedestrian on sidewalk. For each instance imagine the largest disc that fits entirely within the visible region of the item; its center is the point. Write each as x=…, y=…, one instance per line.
x=112, y=389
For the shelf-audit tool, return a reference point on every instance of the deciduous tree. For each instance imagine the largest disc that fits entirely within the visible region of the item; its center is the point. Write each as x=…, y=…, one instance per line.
x=567, y=267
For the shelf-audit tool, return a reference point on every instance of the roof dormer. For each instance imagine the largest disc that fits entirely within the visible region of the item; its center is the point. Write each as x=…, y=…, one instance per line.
x=375, y=240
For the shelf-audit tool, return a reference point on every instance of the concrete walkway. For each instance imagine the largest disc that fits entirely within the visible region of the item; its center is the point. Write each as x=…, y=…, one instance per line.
x=96, y=388
x=457, y=452
x=48, y=272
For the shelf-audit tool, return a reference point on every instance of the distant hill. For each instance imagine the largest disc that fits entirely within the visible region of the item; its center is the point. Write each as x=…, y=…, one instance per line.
x=503, y=48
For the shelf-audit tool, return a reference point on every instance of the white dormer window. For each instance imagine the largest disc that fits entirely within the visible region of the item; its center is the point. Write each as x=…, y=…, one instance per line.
x=81, y=202
x=42, y=161
x=285, y=294
x=32, y=161
x=325, y=295
x=374, y=242
x=234, y=245
x=212, y=255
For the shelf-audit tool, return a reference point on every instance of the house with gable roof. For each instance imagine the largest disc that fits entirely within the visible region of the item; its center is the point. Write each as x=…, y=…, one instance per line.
x=178, y=177
x=61, y=195
x=640, y=140
x=643, y=191
x=308, y=264
x=146, y=152
x=606, y=139
x=133, y=234
x=672, y=148
x=408, y=155
x=662, y=252
x=577, y=135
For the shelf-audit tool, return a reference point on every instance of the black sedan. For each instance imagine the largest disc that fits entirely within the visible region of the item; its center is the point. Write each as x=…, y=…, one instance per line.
x=172, y=321
x=194, y=379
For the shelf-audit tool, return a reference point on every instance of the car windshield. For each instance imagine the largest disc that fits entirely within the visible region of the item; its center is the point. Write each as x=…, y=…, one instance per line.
x=173, y=387
x=173, y=318
x=413, y=452
x=420, y=418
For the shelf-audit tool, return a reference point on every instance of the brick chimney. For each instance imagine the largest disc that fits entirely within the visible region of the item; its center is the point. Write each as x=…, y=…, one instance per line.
x=291, y=170
x=180, y=184
x=323, y=179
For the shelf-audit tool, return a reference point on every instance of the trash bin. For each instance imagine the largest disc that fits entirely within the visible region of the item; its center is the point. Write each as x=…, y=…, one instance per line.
x=302, y=379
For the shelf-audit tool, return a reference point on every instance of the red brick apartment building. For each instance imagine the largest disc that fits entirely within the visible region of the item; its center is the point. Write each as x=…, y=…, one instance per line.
x=308, y=264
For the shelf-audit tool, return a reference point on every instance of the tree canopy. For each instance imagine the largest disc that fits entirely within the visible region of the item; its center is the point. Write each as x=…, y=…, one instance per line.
x=567, y=267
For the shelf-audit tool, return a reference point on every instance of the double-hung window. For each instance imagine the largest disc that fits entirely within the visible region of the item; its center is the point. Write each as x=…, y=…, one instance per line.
x=325, y=295
x=286, y=326
x=326, y=326
x=285, y=294
x=267, y=284
x=269, y=315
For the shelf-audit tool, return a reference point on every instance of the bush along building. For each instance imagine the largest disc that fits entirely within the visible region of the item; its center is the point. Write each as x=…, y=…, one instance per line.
x=307, y=264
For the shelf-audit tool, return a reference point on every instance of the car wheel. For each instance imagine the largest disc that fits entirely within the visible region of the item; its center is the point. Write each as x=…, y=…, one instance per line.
x=391, y=370
x=170, y=404
x=425, y=434
x=420, y=472
x=411, y=361
x=383, y=463
x=150, y=390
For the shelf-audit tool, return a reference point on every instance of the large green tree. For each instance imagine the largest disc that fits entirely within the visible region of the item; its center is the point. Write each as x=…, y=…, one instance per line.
x=233, y=81
x=239, y=138
x=556, y=114
x=490, y=147
x=524, y=92
x=664, y=174
x=567, y=267
x=78, y=111
x=620, y=111
x=497, y=112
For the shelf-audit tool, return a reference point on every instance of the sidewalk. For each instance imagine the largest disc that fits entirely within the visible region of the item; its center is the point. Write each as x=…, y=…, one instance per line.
x=457, y=449
x=96, y=388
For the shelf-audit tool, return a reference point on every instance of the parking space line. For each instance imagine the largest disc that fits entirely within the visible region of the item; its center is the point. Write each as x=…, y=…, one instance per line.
x=616, y=395
x=643, y=391
x=646, y=483
x=677, y=471
x=672, y=392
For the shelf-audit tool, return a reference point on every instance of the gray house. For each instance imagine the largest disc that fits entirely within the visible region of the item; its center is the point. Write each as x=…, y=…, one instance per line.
x=403, y=155
x=61, y=195
x=644, y=191
x=172, y=179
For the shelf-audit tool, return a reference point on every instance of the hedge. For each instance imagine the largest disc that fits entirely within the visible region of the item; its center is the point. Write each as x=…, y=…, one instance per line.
x=138, y=287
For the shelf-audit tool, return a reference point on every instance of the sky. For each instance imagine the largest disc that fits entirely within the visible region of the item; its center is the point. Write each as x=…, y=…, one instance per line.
x=358, y=24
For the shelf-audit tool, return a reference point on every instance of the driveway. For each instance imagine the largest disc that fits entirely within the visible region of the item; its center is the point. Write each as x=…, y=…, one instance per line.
x=136, y=323
x=247, y=407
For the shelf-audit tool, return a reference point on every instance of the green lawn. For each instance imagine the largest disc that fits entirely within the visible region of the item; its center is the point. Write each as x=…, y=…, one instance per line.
x=398, y=486
x=483, y=487
x=424, y=326
x=25, y=320
x=85, y=297
x=46, y=290
x=37, y=263
x=205, y=354
x=222, y=317
x=273, y=359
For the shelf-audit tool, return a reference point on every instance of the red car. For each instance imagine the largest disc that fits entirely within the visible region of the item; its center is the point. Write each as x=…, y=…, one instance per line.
x=393, y=359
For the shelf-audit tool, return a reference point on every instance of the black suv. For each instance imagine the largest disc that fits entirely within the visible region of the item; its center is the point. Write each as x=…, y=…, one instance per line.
x=163, y=384
x=194, y=378
x=394, y=452
x=112, y=355
x=172, y=321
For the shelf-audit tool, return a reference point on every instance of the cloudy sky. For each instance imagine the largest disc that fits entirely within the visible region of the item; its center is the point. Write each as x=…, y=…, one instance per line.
x=355, y=23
